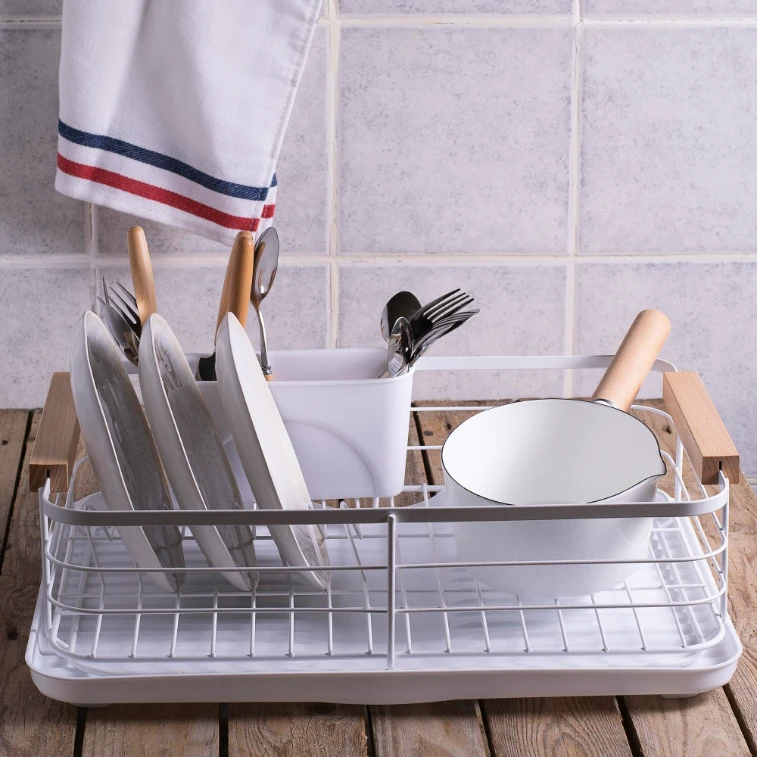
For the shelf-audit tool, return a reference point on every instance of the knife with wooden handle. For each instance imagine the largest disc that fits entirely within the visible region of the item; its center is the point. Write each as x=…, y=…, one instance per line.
x=235, y=297
x=141, y=273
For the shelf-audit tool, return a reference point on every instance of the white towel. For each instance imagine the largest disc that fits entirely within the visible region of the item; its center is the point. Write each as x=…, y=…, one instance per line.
x=175, y=110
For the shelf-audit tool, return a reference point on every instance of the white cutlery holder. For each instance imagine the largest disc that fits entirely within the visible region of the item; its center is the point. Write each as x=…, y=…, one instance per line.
x=348, y=427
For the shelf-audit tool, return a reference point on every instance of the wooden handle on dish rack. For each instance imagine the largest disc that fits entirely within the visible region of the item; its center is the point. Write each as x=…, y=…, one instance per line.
x=700, y=427
x=237, y=283
x=634, y=359
x=141, y=273
x=57, y=439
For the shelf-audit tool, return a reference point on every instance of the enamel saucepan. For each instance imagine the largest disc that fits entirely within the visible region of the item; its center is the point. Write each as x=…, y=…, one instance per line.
x=559, y=451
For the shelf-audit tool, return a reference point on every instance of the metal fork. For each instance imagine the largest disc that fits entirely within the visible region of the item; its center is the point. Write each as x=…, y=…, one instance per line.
x=126, y=303
x=428, y=316
x=120, y=329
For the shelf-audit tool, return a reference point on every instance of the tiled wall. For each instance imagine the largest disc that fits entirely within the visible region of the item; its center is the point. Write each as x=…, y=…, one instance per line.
x=566, y=162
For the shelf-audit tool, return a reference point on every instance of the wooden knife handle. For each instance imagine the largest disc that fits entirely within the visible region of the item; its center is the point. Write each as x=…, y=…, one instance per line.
x=57, y=439
x=700, y=427
x=237, y=284
x=141, y=273
x=634, y=359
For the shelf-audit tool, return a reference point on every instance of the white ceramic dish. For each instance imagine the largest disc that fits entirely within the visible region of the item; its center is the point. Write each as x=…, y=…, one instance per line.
x=561, y=452
x=121, y=448
x=265, y=449
x=191, y=450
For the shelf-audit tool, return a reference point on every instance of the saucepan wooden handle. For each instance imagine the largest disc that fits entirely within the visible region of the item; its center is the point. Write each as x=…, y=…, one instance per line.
x=141, y=273
x=54, y=452
x=634, y=359
x=700, y=427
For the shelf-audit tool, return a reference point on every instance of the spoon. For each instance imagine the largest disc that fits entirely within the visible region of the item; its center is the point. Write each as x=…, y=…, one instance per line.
x=399, y=349
x=263, y=273
x=401, y=305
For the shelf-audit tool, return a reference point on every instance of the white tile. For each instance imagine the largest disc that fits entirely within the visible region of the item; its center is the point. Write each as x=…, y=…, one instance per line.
x=39, y=308
x=295, y=312
x=632, y=7
x=34, y=217
x=162, y=240
x=31, y=8
x=301, y=217
x=454, y=140
x=711, y=309
x=302, y=196
x=429, y=7
x=522, y=313
x=669, y=163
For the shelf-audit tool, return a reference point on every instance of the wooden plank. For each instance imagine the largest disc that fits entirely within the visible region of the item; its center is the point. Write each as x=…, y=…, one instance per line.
x=442, y=729
x=159, y=731
x=576, y=727
x=12, y=439
x=54, y=451
x=297, y=730
x=30, y=725
x=564, y=721
x=704, y=434
x=702, y=726
x=155, y=729
x=734, y=722
x=305, y=729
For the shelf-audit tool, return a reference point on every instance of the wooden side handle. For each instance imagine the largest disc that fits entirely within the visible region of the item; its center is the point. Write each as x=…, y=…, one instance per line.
x=634, y=359
x=54, y=452
x=141, y=273
x=700, y=427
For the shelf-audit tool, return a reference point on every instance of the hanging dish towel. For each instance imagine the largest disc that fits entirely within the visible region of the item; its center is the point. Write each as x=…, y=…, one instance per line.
x=176, y=111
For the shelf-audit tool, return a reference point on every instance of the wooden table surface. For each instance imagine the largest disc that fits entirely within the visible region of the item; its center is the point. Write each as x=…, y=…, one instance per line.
x=721, y=723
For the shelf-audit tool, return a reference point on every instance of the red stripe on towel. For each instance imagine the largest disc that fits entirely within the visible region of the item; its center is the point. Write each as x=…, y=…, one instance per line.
x=165, y=196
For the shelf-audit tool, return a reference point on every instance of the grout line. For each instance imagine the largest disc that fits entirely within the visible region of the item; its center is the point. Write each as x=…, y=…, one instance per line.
x=292, y=260
x=91, y=247
x=683, y=20
x=574, y=197
x=333, y=235
x=21, y=23
x=482, y=20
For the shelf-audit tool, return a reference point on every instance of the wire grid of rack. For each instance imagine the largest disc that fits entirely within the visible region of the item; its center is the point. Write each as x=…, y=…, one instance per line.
x=398, y=599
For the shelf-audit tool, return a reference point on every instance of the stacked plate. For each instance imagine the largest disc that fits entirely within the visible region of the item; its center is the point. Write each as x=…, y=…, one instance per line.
x=126, y=453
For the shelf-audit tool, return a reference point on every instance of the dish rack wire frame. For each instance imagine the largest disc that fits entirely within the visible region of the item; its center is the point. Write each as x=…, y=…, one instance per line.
x=59, y=525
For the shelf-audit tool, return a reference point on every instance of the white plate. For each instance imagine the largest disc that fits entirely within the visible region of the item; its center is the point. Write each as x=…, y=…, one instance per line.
x=265, y=449
x=121, y=448
x=191, y=450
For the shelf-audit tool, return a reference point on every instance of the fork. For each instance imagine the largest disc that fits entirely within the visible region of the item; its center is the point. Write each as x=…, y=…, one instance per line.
x=126, y=303
x=429, y=315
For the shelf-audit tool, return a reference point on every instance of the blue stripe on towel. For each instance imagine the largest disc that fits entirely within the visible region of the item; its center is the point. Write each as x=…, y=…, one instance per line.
x=118, y=146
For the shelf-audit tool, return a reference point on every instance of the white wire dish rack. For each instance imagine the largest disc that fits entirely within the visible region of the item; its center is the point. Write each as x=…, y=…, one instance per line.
x=402, y=620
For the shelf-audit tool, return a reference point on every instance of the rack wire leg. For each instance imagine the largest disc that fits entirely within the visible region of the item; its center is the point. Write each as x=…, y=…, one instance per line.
x=391, y=614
